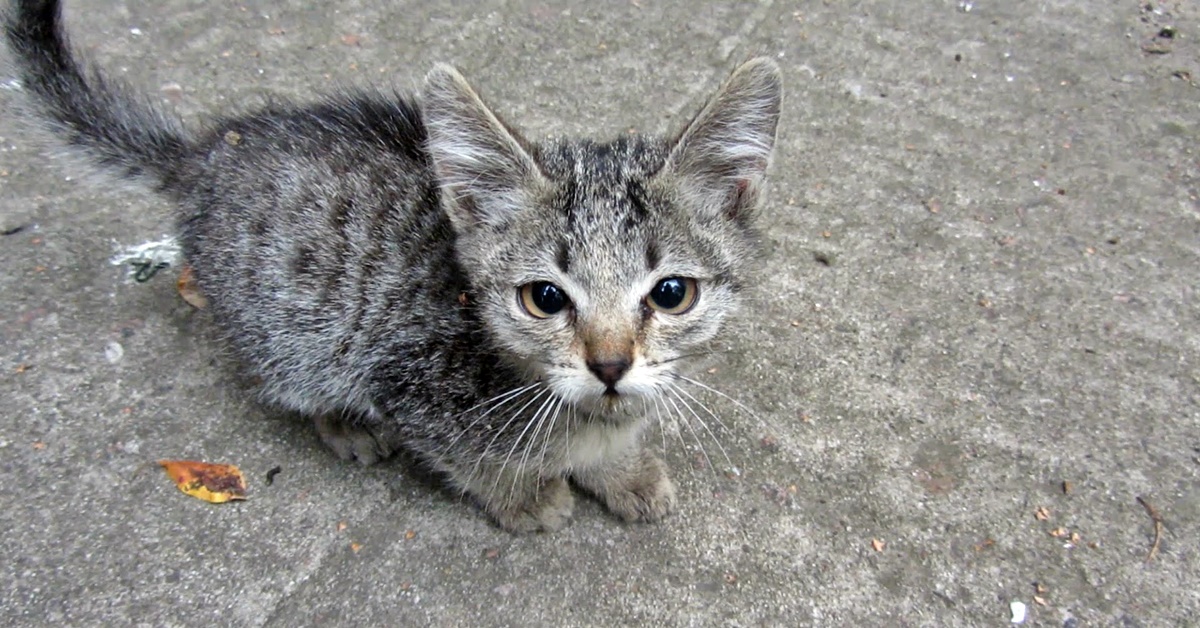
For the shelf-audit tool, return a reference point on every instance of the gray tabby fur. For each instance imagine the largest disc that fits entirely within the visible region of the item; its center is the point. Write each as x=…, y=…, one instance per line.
x=363, y=256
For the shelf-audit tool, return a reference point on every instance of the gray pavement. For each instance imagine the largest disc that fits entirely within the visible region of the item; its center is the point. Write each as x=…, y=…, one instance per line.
x=983, y=251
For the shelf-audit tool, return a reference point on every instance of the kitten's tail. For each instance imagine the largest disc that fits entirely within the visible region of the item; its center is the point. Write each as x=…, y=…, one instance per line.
x=120, y=132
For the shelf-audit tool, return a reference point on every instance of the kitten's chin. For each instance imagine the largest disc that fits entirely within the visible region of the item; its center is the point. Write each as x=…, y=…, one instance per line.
x=607, y=406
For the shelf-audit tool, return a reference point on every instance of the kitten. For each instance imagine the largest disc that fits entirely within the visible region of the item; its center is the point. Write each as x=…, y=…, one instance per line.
x=413, y=273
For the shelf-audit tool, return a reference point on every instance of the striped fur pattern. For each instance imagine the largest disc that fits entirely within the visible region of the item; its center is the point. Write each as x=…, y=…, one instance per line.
x=365, y=255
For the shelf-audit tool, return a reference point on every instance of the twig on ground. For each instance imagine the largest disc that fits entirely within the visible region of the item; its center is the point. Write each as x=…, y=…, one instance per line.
x=1158, y=526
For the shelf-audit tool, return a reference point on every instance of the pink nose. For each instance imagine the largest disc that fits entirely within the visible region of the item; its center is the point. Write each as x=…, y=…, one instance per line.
x=609, y=372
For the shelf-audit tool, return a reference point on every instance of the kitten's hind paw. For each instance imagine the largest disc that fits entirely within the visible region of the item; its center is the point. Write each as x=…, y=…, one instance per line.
x=548, y=511
x=640, y=491
x=351, y=442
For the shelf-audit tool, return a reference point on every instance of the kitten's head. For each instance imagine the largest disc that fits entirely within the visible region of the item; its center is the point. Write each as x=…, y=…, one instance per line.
x=599, y=265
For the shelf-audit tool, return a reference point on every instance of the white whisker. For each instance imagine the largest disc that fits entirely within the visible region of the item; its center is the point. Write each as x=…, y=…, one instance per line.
x=675, y=390
x=483, y=454
x=501, y=400
x=538, y=417
x=699, y=445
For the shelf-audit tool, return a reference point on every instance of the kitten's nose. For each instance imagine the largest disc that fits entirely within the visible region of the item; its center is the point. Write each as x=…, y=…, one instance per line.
x=610, y=371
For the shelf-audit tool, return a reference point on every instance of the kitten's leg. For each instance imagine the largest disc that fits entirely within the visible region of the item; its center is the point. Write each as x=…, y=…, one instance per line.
x=634, y=485
x=520, y=503
x=353, y=442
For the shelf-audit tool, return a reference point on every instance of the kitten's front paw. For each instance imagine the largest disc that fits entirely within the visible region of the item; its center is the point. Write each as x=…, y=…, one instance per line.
x=640, y=492
x=549, y=510
x=350, y=442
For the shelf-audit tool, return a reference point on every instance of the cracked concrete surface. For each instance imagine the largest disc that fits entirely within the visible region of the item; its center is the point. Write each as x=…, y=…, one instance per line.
x=983, y=247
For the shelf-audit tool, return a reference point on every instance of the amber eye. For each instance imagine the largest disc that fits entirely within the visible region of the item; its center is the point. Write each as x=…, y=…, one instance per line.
x=542, y=299
x=674, y=295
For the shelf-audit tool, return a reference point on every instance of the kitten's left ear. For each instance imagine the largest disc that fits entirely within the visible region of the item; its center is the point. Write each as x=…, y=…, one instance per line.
x=724, y=152
x=484, y=168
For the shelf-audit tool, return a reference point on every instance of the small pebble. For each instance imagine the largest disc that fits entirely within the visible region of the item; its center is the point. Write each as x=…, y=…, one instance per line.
x=113, y=352
x=1018, y=612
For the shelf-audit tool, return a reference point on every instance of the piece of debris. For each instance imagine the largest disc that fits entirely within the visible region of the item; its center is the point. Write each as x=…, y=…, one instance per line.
x=272, y=473
x=213, y=483
x=233, y=138
x=934, y=205
x=146, y=259
x=1018, y=612
x=1158, y=527
x=1066, y=487
x=1042, y=513
x=188, y=290
x=878, y=544
x=410, y=535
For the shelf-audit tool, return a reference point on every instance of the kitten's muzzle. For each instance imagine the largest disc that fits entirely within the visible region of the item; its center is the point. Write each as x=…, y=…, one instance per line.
x=609, y=372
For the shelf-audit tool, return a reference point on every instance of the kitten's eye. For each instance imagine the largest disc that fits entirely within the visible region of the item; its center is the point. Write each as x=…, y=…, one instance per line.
x=542, y=299
x=674, y=295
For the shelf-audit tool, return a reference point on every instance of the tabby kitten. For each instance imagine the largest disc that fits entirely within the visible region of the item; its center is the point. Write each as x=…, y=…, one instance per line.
x=413, y=273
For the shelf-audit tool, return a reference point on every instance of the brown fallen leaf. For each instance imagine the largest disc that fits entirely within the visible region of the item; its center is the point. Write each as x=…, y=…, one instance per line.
x=1042, y=513
x=214, y=483
x=878, y=544
x=186, y=285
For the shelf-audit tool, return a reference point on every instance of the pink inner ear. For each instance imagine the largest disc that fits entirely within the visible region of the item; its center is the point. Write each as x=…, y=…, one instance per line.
x=739, y=198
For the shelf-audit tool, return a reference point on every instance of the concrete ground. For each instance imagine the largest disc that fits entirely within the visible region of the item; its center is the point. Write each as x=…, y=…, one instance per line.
x=974, y=348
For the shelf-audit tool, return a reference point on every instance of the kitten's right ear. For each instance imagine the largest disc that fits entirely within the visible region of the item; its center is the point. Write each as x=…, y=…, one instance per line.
x=483, y=167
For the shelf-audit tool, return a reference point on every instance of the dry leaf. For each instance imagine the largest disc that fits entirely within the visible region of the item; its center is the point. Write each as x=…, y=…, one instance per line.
x=1039, y=600
x=1042, y=513
x=214, y=483
x=410, y=535
x=354, y=547
x=878, y=545
x=186, y=284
